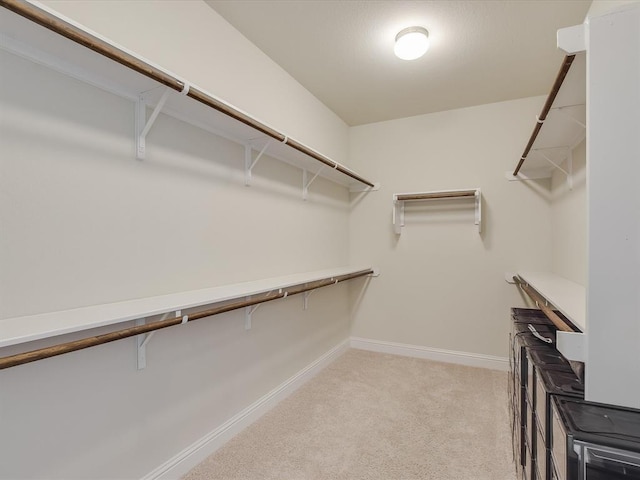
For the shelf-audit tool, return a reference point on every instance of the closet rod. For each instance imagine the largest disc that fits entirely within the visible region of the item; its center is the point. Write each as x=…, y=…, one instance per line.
x=47, y=352
x=427, y=196
x=51, y=22
x=564, y=69
x=541, y=302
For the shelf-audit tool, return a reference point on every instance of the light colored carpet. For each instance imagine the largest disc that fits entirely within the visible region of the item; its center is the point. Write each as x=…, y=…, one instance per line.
x=375, y=416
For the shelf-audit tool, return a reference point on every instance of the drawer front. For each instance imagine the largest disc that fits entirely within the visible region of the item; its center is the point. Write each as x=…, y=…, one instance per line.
x=558, y=444
x=530, y=384
x=512, y=352
x=541, y=404
x=606, y=462
x=528, y=466
x=531, y=427
x=541, y=456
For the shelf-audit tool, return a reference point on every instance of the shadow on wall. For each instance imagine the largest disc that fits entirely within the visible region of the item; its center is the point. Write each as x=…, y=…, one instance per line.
x=207, y=157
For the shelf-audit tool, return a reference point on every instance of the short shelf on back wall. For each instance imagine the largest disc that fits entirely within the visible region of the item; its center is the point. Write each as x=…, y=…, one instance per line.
x=175, y=309
x=399, y=200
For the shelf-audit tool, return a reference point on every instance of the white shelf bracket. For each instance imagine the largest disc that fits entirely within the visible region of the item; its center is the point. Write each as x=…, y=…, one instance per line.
x=143, y=125
x=142, y=340
x=250, y=162
x=305, y=299
x=248, y=311
x=398, y=215
x=478, y=199
x=306, y=184
x=569, y=160
x=562, y=110
x=141, y=345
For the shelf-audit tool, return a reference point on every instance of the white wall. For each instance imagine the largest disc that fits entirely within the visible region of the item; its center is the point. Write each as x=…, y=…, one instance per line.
x=442, y=284
x=569, y=220
x=613, y=251
x=84, y=223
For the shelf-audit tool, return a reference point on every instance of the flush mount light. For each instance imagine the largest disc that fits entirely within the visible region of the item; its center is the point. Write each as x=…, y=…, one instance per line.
x=411, y=43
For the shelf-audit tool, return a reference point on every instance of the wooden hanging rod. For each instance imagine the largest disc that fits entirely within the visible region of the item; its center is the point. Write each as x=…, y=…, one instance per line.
x=53, y=23
x=564, y=69
x=427, y=196
x=542, y=304
x=47, y=352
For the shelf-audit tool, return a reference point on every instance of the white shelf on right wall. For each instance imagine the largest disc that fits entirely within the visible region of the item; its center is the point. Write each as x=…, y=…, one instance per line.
x=567, y=296
x=570, y=299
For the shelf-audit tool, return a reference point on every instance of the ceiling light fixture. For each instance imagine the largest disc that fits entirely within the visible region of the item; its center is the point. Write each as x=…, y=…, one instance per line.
x=411, y=43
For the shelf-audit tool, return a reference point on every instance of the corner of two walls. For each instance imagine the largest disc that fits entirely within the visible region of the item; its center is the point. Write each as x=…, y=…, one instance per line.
x=569, y=219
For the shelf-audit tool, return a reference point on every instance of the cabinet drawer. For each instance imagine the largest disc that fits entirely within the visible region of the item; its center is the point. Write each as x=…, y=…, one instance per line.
x=558, y=444
x=541, y=456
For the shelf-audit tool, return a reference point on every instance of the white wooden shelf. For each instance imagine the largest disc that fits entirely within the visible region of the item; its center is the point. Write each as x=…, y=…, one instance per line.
x=567, y=296
x=24, y=329
x=399, y=200
x=24, y=37
x=570, y=299
x=562, y=130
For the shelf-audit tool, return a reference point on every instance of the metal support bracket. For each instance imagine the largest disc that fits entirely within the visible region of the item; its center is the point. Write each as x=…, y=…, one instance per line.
x=478, y=210
x=143, y=125
x=398, y=215
x=143, y=340
x=248, y=311
x=305, y=299
x=569, y=161
x=563, y=110
x=250, y=162
x=306, y=184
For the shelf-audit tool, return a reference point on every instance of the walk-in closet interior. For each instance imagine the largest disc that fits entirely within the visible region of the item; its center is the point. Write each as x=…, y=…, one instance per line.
x=205, y=205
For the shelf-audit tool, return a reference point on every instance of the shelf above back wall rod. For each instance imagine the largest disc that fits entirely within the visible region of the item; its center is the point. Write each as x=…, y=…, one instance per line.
x=399, y=200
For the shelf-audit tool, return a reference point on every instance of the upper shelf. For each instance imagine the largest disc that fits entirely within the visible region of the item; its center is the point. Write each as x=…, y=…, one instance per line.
x=561, y=125
x=68, y=48
x=34, y=327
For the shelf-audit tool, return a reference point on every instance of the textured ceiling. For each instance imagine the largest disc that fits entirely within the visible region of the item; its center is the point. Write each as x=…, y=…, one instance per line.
x=342, y=51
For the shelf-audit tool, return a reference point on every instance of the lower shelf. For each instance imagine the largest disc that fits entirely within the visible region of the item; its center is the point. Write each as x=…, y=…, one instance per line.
x=19, y=330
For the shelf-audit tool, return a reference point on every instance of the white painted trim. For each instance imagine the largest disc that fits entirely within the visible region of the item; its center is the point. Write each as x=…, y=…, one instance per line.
x=436, y=354
x=191, y=456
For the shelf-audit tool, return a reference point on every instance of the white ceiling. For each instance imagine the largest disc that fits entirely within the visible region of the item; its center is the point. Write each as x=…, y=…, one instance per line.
x=342, y=51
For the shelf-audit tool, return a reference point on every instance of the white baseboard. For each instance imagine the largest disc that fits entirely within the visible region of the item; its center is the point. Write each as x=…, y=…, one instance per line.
x=436, y=354
x=191, y=456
